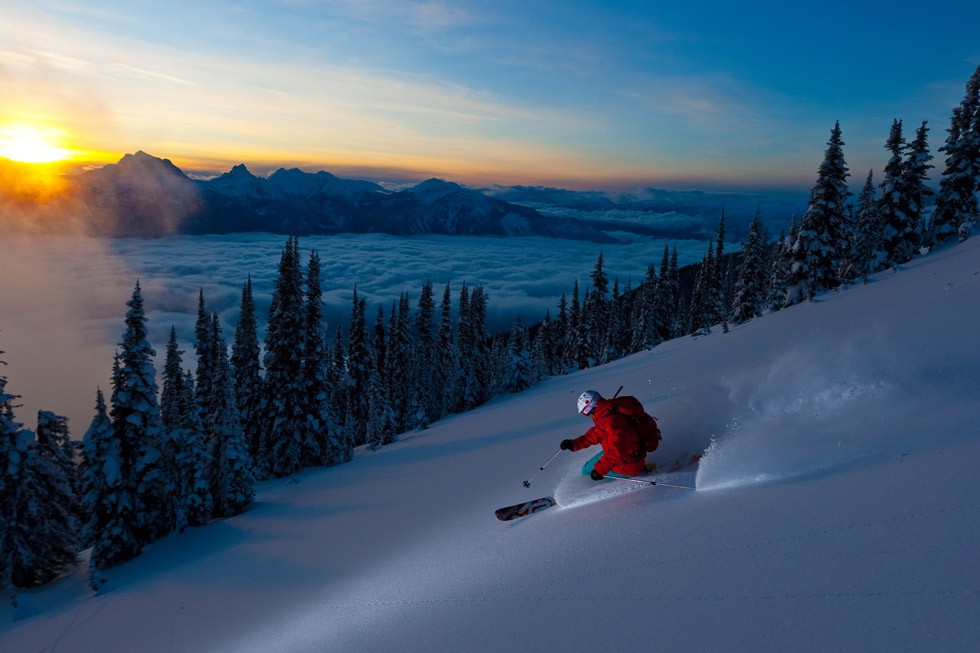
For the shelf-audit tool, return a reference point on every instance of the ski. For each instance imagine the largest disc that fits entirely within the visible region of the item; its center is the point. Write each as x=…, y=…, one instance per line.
x=524, y=508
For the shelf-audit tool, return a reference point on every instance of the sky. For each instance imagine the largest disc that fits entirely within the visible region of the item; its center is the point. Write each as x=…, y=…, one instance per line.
x=571, y=94
x=836, y=509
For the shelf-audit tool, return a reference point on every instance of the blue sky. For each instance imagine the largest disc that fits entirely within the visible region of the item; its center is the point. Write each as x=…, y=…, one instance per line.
x=573, y=94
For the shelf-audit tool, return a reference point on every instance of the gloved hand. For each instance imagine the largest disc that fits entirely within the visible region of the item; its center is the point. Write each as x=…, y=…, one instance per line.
x=596, y=476
x=566, y=445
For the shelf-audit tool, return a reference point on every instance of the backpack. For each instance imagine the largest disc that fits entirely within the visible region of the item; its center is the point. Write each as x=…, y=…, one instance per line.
x=645, y=425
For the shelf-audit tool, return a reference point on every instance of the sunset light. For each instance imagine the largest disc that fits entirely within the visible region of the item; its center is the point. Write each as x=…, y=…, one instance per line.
x=31, y=145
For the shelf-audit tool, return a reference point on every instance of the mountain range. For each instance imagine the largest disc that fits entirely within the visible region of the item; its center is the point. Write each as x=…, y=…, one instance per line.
x=143, y=195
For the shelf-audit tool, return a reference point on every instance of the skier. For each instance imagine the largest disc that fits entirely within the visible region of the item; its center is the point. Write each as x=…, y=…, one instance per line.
x=617, y=428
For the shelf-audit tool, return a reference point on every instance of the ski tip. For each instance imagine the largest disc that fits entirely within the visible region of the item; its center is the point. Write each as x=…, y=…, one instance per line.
x=524, y=509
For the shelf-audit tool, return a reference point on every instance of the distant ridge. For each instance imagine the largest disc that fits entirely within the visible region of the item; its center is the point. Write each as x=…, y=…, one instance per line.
x=143, y=195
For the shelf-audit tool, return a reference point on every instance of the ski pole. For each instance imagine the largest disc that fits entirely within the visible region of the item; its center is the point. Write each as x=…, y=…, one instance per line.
x=527, y=483
x=640, y=480
x=617, y=392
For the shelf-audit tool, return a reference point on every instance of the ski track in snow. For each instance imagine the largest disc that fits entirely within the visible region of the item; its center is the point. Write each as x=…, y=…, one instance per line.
x=786, y=421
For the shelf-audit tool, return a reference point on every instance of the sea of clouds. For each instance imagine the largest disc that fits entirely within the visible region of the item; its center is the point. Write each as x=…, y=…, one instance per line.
x=62, y=298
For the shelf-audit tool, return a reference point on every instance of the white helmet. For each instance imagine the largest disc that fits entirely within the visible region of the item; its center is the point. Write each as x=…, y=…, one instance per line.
x=587, y=401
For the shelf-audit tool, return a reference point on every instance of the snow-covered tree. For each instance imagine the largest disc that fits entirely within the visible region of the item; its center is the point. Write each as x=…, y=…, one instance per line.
x=38, y=536
x=446, y=356
x=866, y=245
x=576, y=344
x=616, y=342
x=186, y=442
x=381, y=429
x=480, y=355
x=916, y=173
x=315, y=382
x=339, y=444
x=897, y=214
x=645, y=315
x=284, y=367
x=90, y=468
x=358, y=373
x=595, y=313
x=519, y=373
x=397, y=372
x=53, y=433
x=109, y=497
x=822, y=237
x=136, y=421
x=203, y=339
x=425, y=373
x=47, y=502
x=463, y=383
x=232, y=479
x=246, y=364
x=718, y=300
x=669, y=298
x=753, y=276
x=956, y=202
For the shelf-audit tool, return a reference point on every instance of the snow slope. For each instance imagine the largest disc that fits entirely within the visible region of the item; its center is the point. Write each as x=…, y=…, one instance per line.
x=837, y=509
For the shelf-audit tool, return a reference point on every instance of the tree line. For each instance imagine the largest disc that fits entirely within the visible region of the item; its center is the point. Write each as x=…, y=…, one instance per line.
x=158, y=459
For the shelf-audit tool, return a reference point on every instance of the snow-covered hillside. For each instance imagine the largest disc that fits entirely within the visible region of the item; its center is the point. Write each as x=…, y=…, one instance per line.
x=837, y=509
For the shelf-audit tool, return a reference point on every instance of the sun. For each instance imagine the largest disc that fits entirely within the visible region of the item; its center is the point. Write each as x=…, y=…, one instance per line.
x=31, y=145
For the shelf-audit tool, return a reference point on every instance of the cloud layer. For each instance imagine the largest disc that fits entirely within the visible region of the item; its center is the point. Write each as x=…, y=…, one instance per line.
x=62, y=299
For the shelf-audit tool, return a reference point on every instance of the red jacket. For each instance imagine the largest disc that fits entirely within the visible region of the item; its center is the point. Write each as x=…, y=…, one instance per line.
x=622, y=451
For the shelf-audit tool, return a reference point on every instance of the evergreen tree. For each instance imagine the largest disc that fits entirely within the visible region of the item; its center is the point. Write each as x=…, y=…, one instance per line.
x=315, y=381
x=185, y=437
x=47, y=502
x=194, y=461
x=284, y=368
x=564, y=361
x=482, y=373
x=519, y=370
x=339, y=444
x=669, y=322
x=897, y=213
x=645, y=316
x=867, y=233
x=576, y=342
x=718, y=299
x=203, y=340
x=381, y=428
x=53, y=433
x=398, y=363
x=463, y=395
x=956, y=202
x=94, y=442
x=136, y=422
x=358, y=373
x=782, y=263
x=595, y=314
x=232, y=479
x=916, y=173
x=703, y=298
x=37, y=535
x=822, y=237
x=446, y=356
x=544, y=348
x=425, y=372
x=249, y=391
x=13, y=448
x=113, y=511
x=750, y=290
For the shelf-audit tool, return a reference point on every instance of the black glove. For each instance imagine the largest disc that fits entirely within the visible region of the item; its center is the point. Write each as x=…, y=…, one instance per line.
x=596, y=476
x=566, y=445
